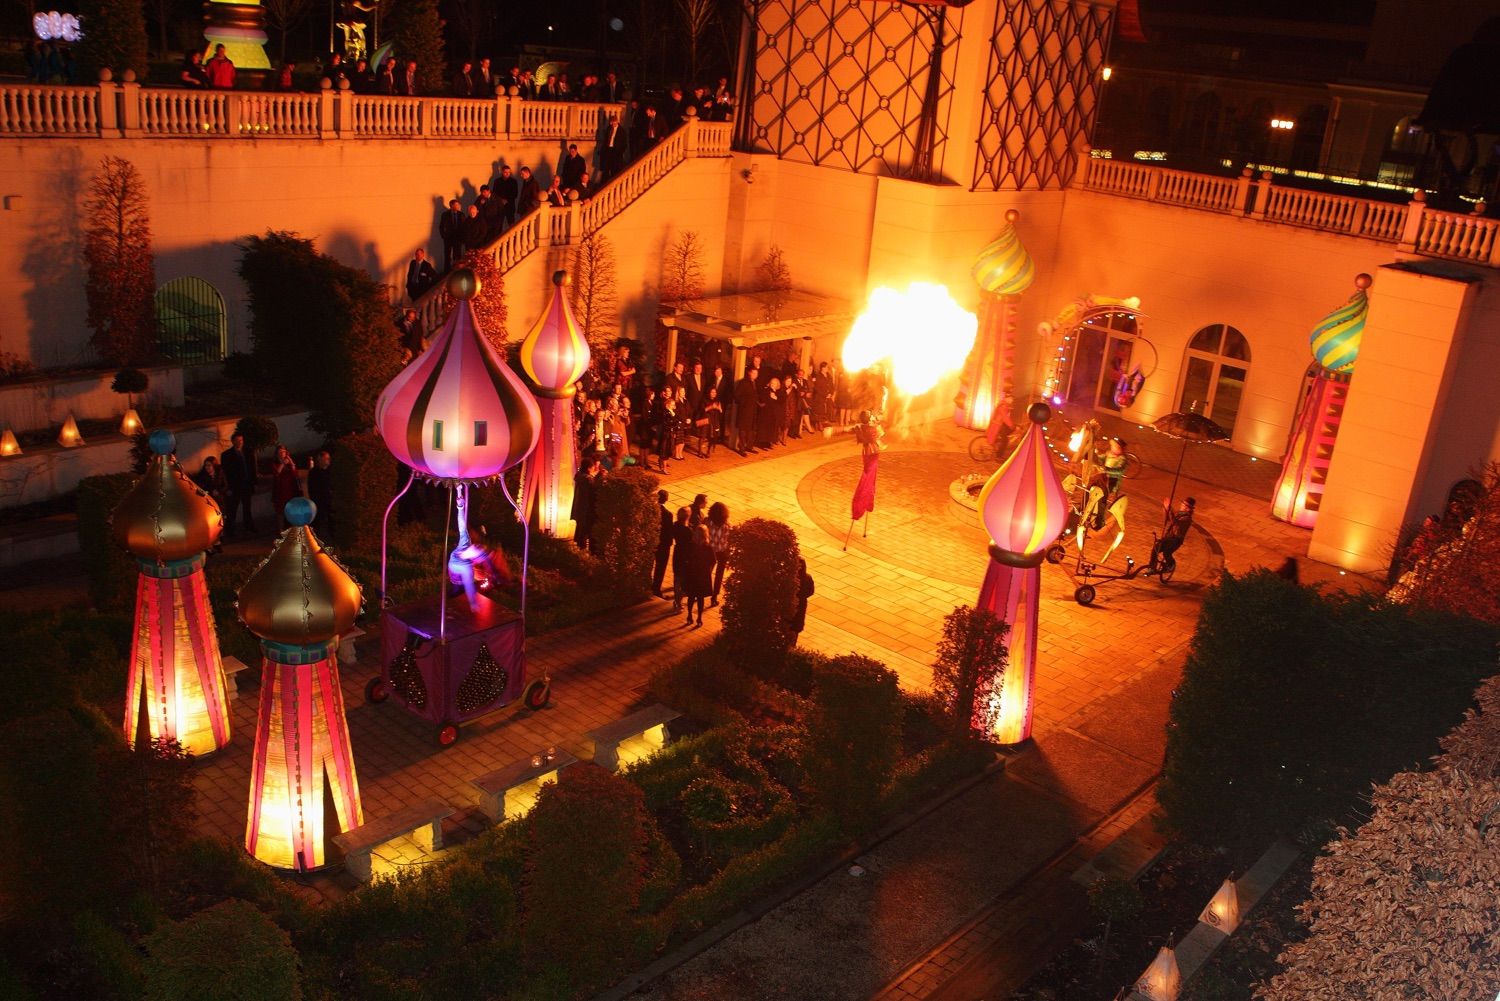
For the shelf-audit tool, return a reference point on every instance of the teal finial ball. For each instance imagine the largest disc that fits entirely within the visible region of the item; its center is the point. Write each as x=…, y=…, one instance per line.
x=162, y=442
x=300, y=511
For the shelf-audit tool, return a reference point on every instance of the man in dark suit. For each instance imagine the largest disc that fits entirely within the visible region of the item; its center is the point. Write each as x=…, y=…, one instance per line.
x=574, y=166
x=611, y=149
x=507, y=190
x=676, y=379
x=746, y=410
x=492, y=212
x=696, y=385
x=238, y=464
x=474, y=230
x=663, y=544
x=610, y=90
x=530, y=194
x=648, y=132
x=420, y=275
x=463, y=81
x=450, y=228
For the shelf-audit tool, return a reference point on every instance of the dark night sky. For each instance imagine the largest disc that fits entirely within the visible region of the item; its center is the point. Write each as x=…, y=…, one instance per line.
x=1338, y=11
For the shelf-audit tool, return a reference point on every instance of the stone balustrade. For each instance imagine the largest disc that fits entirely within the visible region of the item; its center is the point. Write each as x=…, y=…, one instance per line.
x=1413, y=228
x=115, y=110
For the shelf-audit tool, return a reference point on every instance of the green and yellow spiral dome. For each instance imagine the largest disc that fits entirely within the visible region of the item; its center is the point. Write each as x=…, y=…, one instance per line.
x=1004, y=267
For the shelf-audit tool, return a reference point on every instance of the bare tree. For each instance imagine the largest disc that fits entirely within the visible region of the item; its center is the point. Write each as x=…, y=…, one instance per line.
x=697, y=17
x=284, y=15
x=774, y=274
x=596, y=292
x=121, y=286
x=682, y=271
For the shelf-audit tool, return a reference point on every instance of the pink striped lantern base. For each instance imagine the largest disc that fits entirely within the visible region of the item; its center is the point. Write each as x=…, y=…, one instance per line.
x=176, y=679
x=550, y=469
x=1013, y=594
x=990, y=369
x=301, y=748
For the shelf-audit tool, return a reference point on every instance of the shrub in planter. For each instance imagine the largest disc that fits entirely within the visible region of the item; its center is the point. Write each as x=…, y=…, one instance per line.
x=364, y=481
x=260, y=433
x=760, y=594
x=625, y=532
x=854, y=737
x=111, y=570
x=229, y=950
x=971, y=657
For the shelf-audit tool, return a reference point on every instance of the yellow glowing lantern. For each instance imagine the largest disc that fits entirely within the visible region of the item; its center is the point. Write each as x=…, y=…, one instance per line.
x=130, y=424
x=1223, y=911
x=70, y=437
x=1162, y=980
x=8, y=444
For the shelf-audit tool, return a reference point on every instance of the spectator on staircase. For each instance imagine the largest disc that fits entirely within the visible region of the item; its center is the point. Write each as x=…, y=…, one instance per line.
x=420, y=275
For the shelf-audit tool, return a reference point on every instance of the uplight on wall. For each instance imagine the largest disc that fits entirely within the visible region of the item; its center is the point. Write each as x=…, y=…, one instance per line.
x=1162, y=979
x=1283, y=124
x=1223, y=911
x=70, y=437
x=8, y=444
x=130, y=424
x=1106, y=72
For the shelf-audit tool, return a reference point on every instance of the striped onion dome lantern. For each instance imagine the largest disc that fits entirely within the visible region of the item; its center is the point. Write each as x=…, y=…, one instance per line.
x=175, y=686
x=1003, y=270
x=554, y=356
x=458, y=415
x=299, y=602
x=1023, y=508
x=1335, y=340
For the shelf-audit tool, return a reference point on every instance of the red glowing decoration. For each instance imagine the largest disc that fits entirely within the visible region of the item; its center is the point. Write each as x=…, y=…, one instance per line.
x=554, y=356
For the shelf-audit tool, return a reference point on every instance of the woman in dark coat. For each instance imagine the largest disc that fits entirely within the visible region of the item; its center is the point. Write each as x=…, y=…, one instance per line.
x=666, y=428
x=699, y=563
x=586, y=501
x=771, y=420
x=682, y=537
x=804, y=591
x=284, y=483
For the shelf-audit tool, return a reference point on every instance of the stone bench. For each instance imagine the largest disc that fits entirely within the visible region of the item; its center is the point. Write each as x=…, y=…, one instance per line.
x=626, y=741
x=423, y=822
x=347, y=654
x=232, y=667
x=510, y=792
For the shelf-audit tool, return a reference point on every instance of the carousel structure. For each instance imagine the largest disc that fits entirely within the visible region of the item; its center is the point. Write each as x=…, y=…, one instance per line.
x=1023, y=508
x=554, y=356
x=459, y=418
x=1315, y=428
x=175, y=688
x=1002, y=271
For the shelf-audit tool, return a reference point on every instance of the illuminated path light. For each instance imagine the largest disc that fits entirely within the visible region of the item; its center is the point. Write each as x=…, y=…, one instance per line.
x=922, y=333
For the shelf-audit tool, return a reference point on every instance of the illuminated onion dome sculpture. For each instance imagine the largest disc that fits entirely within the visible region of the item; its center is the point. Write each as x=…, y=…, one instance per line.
x=457, y=415
x=1315, y=428
x=299, y=602
x=1002, y=271
x=554, y=356
x=176, y=687
x=1023, y=508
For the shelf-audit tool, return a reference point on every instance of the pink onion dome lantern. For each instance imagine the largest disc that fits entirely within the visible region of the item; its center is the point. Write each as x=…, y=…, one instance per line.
x=457, y=415
x=175, y=688
x=1002, y=270
x=1315, y=427
x=554, y=356
x=300, y=601
x=1024, y=508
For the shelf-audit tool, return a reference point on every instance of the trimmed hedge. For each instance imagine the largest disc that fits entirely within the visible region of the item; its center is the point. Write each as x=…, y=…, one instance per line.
x=111, y=570
x=228, y=950
x=760, y=593
x=364, y=481
x=625, y=531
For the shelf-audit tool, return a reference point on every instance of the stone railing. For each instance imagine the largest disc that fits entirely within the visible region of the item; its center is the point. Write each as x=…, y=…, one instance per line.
x=112, y=110
x=1413, y=227
x=561, y=227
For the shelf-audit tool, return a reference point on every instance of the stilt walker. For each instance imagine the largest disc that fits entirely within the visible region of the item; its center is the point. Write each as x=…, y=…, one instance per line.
x=176, y=687
x=1023, y=508
x=554, y=357
x=1304, y=469
x=1003, y=271
x=299, y=602
x=868, y=433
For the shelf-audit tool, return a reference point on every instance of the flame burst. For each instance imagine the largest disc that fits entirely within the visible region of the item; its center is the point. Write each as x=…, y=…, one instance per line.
x=922, y=333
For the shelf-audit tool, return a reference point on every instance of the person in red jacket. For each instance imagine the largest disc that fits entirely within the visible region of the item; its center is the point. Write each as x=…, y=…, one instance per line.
x=220, y=70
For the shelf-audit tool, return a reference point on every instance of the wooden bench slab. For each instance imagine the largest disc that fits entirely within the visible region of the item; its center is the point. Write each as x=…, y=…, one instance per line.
x=347, y=654
x=510, y=792
x=232, y=667
x=628, y=740
x=422, y=821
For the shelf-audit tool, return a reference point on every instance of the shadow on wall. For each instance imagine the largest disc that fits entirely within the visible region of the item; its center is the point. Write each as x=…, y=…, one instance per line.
x=56, y=308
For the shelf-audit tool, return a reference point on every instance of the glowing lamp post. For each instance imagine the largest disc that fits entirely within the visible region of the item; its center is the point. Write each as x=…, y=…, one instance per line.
x=299, y=602
x=1002, y=271
x=175, y=686
x=554, y=356
x=458, y=415
x=1023, y=508
x=1335, y=346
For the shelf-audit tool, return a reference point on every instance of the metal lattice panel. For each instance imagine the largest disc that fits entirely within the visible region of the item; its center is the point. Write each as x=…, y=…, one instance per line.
x=1042, y=93
x=840, y=83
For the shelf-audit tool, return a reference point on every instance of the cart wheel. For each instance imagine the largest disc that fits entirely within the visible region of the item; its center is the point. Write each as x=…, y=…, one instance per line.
x=980, y=450
x=377, y=691
x=1085, y=594
x=1056, y=552
x=538, y=694
x=446, y=735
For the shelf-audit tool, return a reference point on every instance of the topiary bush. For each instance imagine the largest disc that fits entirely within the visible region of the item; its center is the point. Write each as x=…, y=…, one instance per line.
x=854, y=738
x=625, y=532
x=110, y=569
x=229, y=951
x=1293, y=702
x=364, y=481
x=261, y=433
x=760, y=593
x=971, y=659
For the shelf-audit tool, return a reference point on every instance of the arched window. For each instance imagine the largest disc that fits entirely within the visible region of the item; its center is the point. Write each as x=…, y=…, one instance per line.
x=1104, y=341
x=1214, y=370
x=190, y=322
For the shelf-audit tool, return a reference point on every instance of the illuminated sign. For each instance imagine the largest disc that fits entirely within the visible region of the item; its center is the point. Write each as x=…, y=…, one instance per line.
x=50, y=25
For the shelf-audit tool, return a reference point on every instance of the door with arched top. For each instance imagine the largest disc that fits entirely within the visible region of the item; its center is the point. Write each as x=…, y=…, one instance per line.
x=1215, y=368
x=191, y=324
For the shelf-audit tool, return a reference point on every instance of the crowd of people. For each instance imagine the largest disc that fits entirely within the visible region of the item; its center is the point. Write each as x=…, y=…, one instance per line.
x=49, y=62
x=232, y=477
